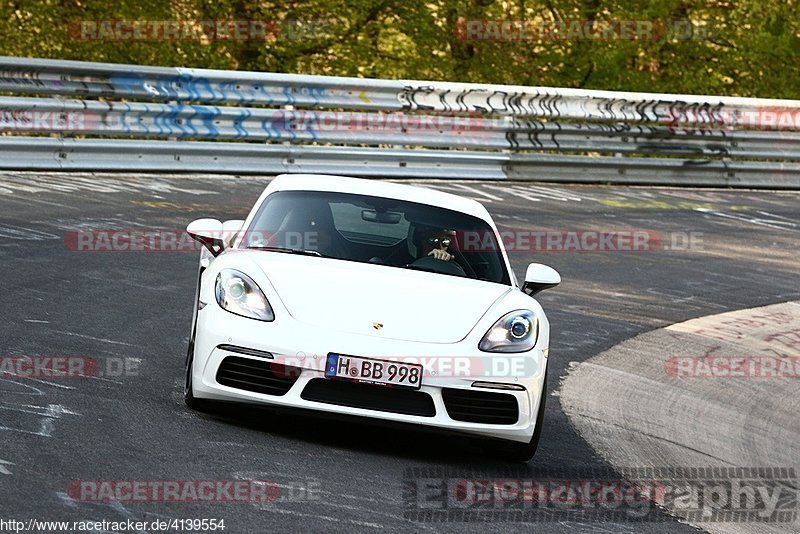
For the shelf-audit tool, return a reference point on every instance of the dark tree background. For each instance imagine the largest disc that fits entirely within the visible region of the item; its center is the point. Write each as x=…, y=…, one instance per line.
x=743, y=48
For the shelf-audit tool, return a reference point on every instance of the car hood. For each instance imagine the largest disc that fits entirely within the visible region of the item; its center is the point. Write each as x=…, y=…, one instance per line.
x=376, y=300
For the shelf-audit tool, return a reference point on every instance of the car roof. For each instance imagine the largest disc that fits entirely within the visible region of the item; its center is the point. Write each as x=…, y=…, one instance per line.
x=378, y=188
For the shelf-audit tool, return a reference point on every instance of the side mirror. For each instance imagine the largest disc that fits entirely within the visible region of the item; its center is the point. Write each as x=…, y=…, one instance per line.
x=209, y=233
x=230, y=229
x=539, y=277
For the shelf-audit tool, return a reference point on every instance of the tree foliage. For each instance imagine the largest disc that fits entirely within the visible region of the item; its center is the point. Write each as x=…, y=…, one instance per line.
x=743, y=48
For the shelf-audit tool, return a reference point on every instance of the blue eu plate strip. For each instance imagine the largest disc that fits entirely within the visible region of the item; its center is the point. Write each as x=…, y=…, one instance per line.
x=330, y=366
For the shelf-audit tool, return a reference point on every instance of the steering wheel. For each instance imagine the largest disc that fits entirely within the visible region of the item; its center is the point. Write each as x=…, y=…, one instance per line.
x=439, y=266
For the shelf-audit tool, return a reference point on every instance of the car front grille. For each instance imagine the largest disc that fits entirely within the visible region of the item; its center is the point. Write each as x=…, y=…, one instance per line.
x=369, y=397
x=258, y=376
x=480, y=406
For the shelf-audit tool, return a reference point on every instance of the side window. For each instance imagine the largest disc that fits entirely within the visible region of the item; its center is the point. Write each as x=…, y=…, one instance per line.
x=348, y=220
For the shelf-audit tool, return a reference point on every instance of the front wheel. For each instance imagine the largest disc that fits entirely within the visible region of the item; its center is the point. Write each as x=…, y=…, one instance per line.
x=523, y=452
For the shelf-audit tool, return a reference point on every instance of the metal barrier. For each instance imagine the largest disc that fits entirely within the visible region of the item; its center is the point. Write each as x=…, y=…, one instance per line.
x=121, y=117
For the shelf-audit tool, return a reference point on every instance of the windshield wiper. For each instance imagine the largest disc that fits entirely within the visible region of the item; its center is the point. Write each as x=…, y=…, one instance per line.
x=286, y=250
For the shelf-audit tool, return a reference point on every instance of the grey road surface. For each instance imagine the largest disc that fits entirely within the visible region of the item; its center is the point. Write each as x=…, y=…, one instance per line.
x=710, y=251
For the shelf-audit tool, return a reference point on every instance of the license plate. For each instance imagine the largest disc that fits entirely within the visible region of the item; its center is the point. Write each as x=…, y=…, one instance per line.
x=372, y=371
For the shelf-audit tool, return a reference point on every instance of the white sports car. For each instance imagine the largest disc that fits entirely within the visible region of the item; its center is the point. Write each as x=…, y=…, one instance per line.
x=373, y=299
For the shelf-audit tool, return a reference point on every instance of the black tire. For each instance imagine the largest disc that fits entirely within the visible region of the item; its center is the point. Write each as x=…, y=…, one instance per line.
x=201, y=405
x=523, y=452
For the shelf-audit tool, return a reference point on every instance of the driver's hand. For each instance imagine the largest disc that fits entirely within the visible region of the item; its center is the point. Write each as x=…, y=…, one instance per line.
x=440, y=254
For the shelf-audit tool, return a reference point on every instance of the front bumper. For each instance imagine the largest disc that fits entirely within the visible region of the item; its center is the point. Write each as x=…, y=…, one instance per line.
x=291, y=343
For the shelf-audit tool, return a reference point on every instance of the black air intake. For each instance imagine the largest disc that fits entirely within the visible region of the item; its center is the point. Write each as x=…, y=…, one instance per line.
x=480, y=406
x=258, y=376
x=369, y=397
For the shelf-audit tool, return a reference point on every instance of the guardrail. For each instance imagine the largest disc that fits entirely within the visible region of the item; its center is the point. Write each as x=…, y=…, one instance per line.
x=122, y=117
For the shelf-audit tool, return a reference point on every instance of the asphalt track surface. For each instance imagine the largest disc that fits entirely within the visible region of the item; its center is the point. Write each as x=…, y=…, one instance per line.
x=333, y=475
x=716, y=419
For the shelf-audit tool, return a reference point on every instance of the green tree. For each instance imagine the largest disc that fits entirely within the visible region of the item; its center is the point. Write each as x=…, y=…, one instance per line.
x=744, y=48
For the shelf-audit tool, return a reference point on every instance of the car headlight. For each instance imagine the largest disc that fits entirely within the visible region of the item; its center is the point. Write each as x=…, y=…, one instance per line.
x=514, y=332
x=239, y=294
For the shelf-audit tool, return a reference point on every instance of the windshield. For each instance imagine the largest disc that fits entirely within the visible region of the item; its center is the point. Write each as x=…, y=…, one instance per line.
x=376, y=230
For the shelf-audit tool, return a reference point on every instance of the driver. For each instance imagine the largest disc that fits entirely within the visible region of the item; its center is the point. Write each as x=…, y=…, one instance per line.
x=435, y=243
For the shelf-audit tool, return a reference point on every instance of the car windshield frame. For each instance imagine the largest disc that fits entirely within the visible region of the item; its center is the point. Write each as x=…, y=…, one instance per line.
x=486, y=264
